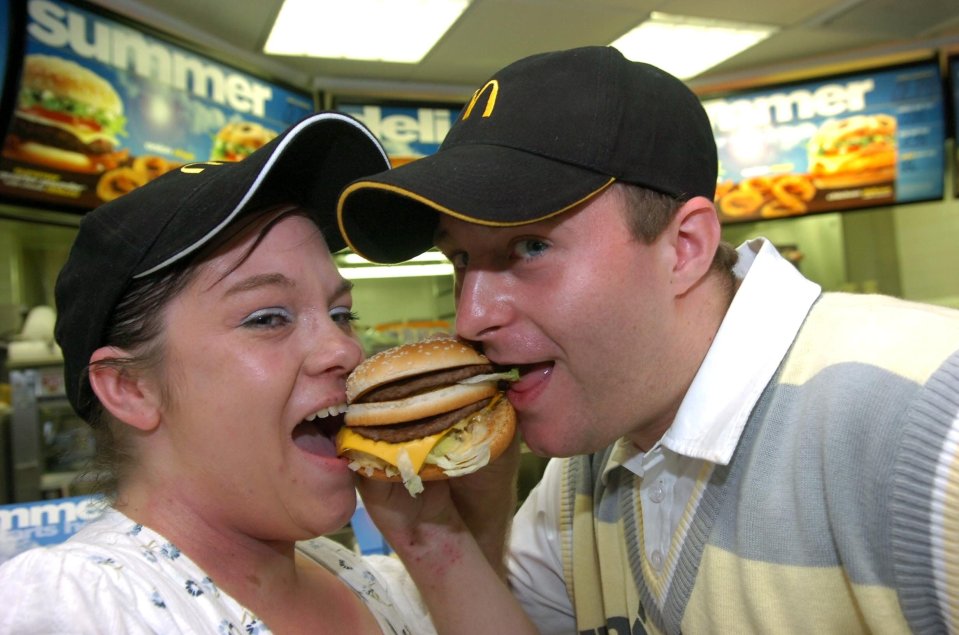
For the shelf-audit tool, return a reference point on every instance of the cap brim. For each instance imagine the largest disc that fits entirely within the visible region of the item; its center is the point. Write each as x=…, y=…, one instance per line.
x=391, y=216
x=309, y=164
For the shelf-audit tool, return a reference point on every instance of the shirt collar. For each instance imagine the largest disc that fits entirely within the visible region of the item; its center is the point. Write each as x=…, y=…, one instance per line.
x=765, y=315
x=769, y=308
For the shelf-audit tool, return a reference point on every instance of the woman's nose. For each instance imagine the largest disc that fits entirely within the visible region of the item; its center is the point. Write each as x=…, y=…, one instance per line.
x=333, y=350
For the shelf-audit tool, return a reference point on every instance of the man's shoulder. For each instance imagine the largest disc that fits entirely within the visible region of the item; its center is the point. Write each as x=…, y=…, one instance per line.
x=909, y=339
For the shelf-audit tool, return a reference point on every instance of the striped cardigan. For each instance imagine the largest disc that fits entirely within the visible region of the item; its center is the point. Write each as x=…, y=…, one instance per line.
x=838, y=513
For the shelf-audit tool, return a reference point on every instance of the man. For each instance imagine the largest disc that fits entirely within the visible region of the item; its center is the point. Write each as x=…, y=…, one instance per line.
x=745, y=452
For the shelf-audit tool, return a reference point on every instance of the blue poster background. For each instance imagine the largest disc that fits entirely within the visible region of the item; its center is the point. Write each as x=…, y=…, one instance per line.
x=407, y=132
x=42, y=523
x=45, y=522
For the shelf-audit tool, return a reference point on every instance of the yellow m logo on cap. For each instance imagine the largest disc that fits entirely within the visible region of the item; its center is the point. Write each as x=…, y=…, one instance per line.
x=493, y=85
x=196, y=168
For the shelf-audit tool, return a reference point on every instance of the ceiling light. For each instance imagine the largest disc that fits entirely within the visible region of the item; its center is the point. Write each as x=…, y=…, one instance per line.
x=383, y=30
x=684, y=46
x=396, y=271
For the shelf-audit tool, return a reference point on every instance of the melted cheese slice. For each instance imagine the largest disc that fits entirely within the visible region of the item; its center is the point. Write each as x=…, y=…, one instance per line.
x=417, y=449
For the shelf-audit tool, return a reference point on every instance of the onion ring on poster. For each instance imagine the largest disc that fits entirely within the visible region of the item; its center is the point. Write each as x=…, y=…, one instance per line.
x=740, y=202
x=119, y=181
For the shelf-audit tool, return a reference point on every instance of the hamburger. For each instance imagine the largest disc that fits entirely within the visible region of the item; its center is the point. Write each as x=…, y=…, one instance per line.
x=425, y=411
x=855, y=151
x=67, y=117
x=239, y=139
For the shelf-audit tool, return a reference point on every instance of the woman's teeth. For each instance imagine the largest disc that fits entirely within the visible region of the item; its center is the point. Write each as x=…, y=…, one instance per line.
x=332, y=411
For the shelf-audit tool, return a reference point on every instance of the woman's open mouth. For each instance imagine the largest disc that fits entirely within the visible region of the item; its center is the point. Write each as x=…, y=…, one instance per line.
x=316, y=433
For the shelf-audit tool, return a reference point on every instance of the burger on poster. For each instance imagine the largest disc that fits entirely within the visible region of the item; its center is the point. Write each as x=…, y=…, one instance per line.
x=238, y=139
x=854, y=151
x=67, y=117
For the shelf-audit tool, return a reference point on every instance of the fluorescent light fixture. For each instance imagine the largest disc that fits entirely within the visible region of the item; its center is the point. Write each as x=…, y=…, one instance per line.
x=396, y=271
x=382, y=30
x=685, y=46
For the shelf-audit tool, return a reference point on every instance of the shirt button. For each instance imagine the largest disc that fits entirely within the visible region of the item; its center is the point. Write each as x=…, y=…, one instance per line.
x=657, y=494
x=656, y=559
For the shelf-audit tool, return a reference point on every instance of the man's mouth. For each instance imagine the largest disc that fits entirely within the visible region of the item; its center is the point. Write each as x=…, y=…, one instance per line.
x=530, y=375
x=316, y=433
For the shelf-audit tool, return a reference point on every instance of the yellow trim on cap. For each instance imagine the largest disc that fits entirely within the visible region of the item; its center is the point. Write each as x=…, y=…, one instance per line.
x=373, y=185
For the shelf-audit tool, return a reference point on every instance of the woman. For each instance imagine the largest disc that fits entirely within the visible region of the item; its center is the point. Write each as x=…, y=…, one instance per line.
x=207, y=338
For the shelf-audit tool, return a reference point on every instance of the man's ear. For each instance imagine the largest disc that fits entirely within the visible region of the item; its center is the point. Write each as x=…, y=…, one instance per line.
x=696, y=236
x=128, y=397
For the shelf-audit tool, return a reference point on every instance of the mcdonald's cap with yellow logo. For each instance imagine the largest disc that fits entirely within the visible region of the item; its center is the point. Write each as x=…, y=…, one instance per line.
x=542, y=135
x=167, y=220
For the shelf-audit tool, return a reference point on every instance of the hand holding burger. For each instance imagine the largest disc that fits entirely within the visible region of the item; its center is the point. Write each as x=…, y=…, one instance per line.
x=429, y=410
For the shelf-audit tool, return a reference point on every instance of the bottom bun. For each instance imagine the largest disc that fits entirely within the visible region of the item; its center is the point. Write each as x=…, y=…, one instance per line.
x=502, y=423
x=42, y=155
x=428, y=473
x=850, y=180
x=49, y=156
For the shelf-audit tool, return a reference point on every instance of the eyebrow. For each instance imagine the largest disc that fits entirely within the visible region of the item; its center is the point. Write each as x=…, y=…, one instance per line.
x=277, y=279
x=260, y=280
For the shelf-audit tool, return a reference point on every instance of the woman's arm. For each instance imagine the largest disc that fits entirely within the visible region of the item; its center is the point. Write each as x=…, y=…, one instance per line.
x=452, y=540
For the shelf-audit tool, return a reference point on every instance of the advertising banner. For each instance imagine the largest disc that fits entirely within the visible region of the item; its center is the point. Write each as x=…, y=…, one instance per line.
x=836, y=144
x=103, y=108
x=407, y=132
x=46, y=522
x=5, y=32
x=11, y=18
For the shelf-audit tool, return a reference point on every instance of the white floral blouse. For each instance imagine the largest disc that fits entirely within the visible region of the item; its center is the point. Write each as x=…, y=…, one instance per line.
x=116, y=576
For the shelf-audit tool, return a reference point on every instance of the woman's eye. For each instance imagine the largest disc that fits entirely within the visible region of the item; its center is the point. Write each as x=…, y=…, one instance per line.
x=530, y=248
x=343, y=316
x=268, y=318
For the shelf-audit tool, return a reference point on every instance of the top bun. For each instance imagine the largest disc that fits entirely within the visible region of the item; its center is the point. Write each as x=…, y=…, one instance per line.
x=411, y=359
x=68, y=79
x=247, y=133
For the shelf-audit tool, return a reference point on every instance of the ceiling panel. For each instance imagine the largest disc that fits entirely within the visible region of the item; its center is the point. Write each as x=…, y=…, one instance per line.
x=898, y=19
x=785, y=13
x=797, y=45
x=493, y=33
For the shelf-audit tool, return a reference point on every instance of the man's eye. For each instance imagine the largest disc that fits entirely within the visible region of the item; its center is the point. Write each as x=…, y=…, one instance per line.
x=530, y=248
x=459, y=260
x=267, y=318
x=343, y=316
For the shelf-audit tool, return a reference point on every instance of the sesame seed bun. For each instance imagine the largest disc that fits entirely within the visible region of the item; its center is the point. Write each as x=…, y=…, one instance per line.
x=68, y=79
x=411, y=359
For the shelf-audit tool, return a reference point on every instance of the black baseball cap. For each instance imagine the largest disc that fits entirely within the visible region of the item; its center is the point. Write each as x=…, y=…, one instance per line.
x=146, y=230
x=542, y=135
